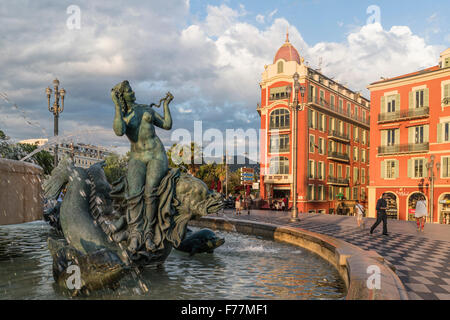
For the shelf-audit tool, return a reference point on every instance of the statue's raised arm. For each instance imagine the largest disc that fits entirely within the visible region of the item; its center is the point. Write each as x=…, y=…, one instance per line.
x=166, y=121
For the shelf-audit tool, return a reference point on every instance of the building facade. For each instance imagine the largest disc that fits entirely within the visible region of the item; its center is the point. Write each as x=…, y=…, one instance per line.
x=332, y=138
x=410, y=138
x=84, y=155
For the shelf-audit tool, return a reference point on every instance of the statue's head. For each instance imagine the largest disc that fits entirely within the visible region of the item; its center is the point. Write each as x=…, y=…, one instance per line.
x=125, y=94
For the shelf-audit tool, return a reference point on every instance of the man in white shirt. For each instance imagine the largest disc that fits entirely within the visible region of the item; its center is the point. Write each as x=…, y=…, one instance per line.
x=359, y=214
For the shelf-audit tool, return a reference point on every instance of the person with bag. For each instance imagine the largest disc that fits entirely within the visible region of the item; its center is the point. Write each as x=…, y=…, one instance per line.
x=360, y=211
x=421, y=213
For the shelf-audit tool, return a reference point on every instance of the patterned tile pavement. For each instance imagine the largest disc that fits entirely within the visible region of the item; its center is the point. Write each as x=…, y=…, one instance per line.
x=422, y=260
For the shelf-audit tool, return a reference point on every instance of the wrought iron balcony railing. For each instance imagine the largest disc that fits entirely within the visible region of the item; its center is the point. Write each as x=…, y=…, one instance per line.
x=333, y=155
x=404, y=148
x=404, y=114
x=324, y=104
x=337, y=181
x=338, y=135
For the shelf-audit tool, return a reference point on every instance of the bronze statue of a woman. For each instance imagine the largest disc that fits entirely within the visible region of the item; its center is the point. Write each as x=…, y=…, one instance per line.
x=148, y=161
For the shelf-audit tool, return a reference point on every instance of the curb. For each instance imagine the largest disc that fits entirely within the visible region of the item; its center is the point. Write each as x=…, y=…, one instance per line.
x=352, y=262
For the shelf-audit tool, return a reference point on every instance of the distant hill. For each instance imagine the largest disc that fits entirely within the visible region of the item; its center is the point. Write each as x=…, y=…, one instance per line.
x=235, y=163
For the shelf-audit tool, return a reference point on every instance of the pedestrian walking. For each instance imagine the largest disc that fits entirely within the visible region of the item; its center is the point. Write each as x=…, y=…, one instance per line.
x=286, y=203
x=381, y=214
x=360, y=214
x=421, y=213
x=238, y=204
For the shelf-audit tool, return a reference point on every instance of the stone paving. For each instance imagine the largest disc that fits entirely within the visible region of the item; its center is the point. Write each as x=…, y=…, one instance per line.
x=422, y=260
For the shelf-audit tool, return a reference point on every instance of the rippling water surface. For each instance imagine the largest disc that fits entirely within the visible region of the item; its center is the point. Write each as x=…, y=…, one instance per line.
x=245, y=267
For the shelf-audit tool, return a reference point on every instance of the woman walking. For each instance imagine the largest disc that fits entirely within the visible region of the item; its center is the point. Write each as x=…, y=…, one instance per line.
x=360, y=214
x=238, y=204
x=421, y=213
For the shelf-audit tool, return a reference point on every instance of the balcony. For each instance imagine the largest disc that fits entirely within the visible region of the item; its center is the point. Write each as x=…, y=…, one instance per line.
x=323, y=103
x=338, y=181
x=333, y=155
x=403, y=115
x=336, y=135
x=404, y=148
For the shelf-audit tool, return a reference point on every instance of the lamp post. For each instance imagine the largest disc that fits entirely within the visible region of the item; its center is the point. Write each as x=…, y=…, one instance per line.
x=56, y=109
x=295, y=106
x=430, y=166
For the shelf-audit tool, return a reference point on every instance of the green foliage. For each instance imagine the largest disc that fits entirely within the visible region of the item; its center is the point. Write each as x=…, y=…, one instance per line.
x=16, y=151
x=116, y=166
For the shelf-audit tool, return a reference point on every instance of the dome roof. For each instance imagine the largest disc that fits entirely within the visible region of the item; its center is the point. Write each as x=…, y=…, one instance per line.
x=287, y=52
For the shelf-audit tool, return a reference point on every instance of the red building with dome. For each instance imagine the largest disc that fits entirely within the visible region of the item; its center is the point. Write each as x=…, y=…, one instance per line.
x=332, y=138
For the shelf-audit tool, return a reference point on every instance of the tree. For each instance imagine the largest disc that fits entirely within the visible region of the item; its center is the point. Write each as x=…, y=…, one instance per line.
x=116, y=166
x=177, y=158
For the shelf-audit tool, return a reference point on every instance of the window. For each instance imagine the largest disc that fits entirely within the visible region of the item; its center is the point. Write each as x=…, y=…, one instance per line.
x=356, y=111
x=363, y=193
x=419, y=168
x=445, y=167
x=355, y=133
x=446, y=95
x=311, y=192
x=364, y=136
x=331, y=170
x=363, y=176
x=331, y=193
x=347, y=173
x=311, y=93
x=279, y=143
x=363, y=155
x=322, y=97
x=311, y=173
x=419, y=98
x=333, y=103
x=391, y=104
x=446, y=131
x=389, y=169
x=390, y=137
x=341, y=106
x=321, y=192
x=279, y=119
x=279, y=165
x=321, y=170
x=280, y=67
x=339, y=171
x=355, y=193
x=321, y=146
x=321, y=122
x=355, y=175
x=355, y=153
x=311, y=144
x=418, y=134
x=278, y=93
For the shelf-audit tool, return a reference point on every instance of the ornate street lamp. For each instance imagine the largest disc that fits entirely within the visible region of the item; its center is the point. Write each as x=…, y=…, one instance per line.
x=56, y=109
x=295, y=106
x=430, y=166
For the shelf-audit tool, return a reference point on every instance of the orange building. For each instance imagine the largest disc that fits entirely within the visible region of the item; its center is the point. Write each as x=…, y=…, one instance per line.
x=410, y=138
x=332, y=135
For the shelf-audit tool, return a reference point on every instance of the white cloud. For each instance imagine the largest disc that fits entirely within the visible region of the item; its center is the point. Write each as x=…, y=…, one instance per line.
x=260, y=18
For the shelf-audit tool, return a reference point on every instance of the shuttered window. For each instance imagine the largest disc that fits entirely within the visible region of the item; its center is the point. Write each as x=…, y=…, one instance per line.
x=445, y=167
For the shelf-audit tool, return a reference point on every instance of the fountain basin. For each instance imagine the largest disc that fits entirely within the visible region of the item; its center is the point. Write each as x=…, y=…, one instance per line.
x=20, y=192
x=353, y=264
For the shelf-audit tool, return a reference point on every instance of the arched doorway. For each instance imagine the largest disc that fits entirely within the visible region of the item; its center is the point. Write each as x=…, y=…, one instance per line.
x=412, y=199
x=392, y=206
x=444, y=208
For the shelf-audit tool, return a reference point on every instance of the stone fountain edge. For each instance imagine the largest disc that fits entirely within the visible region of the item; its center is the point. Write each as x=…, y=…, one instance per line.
x=352, y=262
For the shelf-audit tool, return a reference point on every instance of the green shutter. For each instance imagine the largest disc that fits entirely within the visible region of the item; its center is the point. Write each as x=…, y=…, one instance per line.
x=383, y=137
x=425, y=169
x=410, y=168
x=411, y=100
x=397, y=102
x=309, y=117
x=383, y=104
x=439, y=132
x=426, y=133
x=397, y=167
x=411, y=135
x=426, y=98
x=447, y=91
x=383, y=169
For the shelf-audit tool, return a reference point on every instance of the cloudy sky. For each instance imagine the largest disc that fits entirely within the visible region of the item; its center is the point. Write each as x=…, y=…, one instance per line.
x=209, y=54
